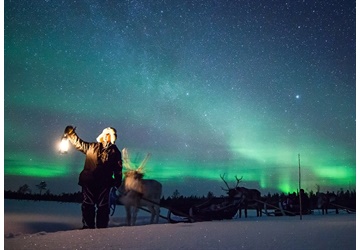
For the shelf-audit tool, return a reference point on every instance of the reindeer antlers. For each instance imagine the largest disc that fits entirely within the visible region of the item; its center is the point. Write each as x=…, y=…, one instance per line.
x=126, y=161
x=223, y=178
x=237, y=182
x=143, y=163
x=125, y=157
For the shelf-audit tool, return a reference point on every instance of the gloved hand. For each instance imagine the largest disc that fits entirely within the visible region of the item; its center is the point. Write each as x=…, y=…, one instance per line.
x=114, y=194
x=118, y=192
x=69, y=130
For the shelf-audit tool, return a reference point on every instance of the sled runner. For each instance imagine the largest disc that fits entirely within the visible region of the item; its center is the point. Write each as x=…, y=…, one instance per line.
x=212, y=209
x=346, y=209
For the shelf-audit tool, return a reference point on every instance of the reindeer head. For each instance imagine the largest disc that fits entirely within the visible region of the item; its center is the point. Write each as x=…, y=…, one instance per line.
x=133, y=175
x=231, y=191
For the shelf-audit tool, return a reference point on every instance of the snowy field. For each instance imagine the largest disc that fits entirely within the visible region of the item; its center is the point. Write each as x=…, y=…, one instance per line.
x=54, y=225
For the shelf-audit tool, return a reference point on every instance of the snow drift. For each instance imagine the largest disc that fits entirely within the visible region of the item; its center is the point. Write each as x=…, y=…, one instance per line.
x=53, y=225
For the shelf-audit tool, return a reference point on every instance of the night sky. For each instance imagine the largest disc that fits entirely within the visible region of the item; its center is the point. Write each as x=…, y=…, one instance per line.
x=207, y=87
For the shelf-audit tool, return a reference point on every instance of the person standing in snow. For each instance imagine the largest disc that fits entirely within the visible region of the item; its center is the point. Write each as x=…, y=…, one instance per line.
x=102, y=170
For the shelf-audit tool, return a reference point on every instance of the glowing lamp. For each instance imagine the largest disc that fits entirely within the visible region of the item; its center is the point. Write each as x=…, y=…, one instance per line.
x=64, y=145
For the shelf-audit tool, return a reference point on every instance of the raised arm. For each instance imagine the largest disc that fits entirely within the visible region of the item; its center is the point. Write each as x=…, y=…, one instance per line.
x=75, y=140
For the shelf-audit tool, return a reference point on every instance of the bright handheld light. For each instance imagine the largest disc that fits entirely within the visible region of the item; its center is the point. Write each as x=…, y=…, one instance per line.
x=64, y=145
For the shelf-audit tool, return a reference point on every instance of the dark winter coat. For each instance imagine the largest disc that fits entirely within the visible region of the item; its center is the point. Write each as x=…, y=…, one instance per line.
x=103, y=163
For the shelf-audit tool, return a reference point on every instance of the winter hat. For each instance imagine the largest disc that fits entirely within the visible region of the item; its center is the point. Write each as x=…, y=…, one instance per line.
x=108, y=130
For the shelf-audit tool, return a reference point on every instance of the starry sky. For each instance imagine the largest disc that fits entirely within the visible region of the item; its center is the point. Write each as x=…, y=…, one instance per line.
x=239, y=88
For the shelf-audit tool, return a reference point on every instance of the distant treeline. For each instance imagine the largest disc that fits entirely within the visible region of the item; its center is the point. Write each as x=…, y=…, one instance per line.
x=77, y=197
x=74, y=197
x=344, y=198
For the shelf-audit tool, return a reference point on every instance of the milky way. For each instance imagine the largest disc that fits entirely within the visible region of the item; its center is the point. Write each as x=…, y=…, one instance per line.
x=207, y=87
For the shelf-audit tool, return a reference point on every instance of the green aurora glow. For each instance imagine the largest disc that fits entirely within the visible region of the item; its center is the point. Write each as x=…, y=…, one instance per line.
x=205, y=95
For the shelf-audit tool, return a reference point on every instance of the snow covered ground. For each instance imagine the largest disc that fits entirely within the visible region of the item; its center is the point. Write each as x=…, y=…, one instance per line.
x=54, y=225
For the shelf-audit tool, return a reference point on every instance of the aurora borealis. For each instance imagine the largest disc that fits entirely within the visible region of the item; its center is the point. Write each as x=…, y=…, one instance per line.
x=207, y=87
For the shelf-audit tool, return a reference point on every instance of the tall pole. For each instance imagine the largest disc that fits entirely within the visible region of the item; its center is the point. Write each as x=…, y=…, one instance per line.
x=300, y=189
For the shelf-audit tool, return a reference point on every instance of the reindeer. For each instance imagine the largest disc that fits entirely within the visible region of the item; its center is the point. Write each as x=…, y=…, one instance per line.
x=247, y=197
x=138, y=192
x=324, y=200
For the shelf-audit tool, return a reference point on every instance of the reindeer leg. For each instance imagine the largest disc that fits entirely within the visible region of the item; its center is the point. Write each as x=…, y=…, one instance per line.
x=258, y=209
x=134, y=215
x=152, y=211
x=157, y=212
x=128, y=215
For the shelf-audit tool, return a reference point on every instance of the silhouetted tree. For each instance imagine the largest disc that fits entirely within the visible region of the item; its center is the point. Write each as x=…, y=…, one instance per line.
x=210, y=195
x=24, y=189
x=175, y=195
x=41, y=186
